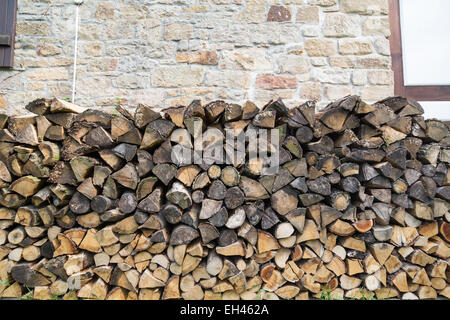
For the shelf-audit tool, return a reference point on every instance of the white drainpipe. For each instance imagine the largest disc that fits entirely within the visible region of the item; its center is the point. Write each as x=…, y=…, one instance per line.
x=75, y=51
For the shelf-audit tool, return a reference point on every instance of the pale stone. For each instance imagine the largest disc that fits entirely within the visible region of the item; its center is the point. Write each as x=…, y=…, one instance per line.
x=359, y=77
x=130, y=81
x=323, y=3
x=184, y=101
x=89, y=32
x=30, y=62
x=354, y=47
x=319, y=61
x=269, y=81
x=146, y=96
x=342, y=62
x=293, y=64
x=374, y=26
x=295, y=49
x=335, y=76
x=172, y=92
x=104, y=10
x=236, y=34
x=48, y=74
x=195, y=9
x=159, y=50
x=246, y=59
x=116, y=30
x=341, y=25
x=39, y=85
x=164, y=11
x=381, y=77
x=32, y=28
x=148, y=29
x=218, y=1
x=310, y=31
x=207, y=92
x=382, y=46
x=120, y=50
x=197, y=45
x=370, y=7
x=30, y=8
x=311, y=91
x=320, y=47
x=253, y=12
x=60, y=62
x=271, y=34
x=94, y=87
x=232, y=94
x=179, y=76
x=334, y=8
x=262, y=96
x=373, y=63
x=202, y=34
x=133, y=12
x=11, y=80
x=304, y=77
x=103, y=64
x=108, y=101
x=46, y=50
x=228, y=79
x=335, y=93
x=63, y=28
x=376, y=93
x=57, y=89
x=200, y=57
x=183, y=45
x=294, y=1
x=178, y=31
x=307, y=14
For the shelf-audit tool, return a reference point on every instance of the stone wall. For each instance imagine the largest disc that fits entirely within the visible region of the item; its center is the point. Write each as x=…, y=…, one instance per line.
x=168, y=52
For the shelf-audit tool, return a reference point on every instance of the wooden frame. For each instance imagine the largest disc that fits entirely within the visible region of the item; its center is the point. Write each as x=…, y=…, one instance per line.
x=419, y=93
x=8, y=14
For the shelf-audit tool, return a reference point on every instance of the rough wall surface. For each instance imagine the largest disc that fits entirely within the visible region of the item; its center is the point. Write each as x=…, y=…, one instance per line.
x=166, y=52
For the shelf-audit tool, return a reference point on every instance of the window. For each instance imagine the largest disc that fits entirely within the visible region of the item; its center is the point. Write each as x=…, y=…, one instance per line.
x=8, y=11
x=420, y=46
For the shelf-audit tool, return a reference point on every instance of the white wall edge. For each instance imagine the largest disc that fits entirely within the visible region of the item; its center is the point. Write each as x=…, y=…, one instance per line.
x=436, y=109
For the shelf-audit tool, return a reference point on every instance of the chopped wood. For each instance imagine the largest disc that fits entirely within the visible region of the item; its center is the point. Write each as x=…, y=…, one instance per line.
x=106, y=206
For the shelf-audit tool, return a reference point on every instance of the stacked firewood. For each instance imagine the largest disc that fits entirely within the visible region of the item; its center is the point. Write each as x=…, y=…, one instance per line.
x=101, y=205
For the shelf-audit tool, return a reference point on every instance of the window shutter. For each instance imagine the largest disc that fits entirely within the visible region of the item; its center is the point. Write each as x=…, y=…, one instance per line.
x=8, y=9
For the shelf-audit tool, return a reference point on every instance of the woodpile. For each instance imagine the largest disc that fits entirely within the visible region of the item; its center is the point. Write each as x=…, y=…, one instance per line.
x=97, y=205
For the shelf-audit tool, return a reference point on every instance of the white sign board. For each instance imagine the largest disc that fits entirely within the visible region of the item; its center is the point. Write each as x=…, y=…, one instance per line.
x=425, y=26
